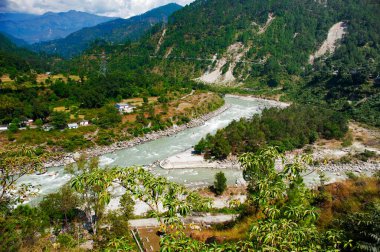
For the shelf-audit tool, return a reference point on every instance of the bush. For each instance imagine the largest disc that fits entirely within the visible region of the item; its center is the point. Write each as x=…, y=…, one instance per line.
x=220, y=183
x=13, y=127
x=66, y=240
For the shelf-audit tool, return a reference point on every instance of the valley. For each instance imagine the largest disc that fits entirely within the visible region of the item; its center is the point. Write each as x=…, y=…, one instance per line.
x=219, y=125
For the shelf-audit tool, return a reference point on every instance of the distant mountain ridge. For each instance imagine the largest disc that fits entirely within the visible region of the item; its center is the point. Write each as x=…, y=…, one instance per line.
x=115, y=31
x=49, y=26
x=16, y=16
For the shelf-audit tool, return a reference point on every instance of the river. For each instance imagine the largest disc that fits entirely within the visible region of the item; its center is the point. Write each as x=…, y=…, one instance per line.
x=162, y=148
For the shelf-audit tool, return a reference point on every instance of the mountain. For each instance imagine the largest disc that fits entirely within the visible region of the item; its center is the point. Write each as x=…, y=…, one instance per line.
x=322, y=52
x=18, y=42
x=14, y=59
x=16, y=16
x=115, y=31
x=48, y=26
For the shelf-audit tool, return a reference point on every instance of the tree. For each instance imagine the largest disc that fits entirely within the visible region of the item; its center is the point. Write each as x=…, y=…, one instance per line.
x=108, y=117
x=59, y=119
x=220, y=183
x=14, y=164
x=39, y=123
x=22, y=226
x=285, y=219
x=60, y=205
x=168, y=201
x=13, y=127
x=363, y=228
x=92, y=183
x=221, y=147
x=127, y=205
x=288, y=219
x=201, y=146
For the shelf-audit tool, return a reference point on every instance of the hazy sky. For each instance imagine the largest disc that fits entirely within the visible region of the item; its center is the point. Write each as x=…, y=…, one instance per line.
x=116, y=8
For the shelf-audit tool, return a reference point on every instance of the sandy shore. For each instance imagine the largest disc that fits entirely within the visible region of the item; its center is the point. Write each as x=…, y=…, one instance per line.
x=188, y=160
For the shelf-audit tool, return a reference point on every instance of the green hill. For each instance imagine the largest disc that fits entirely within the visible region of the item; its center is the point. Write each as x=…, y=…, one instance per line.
x=14, y=59
x=262, y=45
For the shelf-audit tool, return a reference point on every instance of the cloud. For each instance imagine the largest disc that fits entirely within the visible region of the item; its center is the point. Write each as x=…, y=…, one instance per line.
x=115, y=8
x=3, y=5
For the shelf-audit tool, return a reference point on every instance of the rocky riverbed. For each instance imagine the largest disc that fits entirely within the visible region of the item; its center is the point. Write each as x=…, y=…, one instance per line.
x=349, y=167
x=69, y=158
x=188, y=160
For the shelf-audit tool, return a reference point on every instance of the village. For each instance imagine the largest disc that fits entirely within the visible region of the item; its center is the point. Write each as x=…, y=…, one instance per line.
x=123, y=108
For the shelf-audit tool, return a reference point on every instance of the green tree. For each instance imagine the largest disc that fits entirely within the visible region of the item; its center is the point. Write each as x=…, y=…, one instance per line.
x=221, y=147
x=60, y=205
x=108, y=117
x=39, y=123
x=14, y=164
x=59, y=119
x=220, y=183
x=21, y=226
x=286, y=220
x=363, y=228
x=201, y=146
x=289, y=219
x=13, y=127
x=92, y=183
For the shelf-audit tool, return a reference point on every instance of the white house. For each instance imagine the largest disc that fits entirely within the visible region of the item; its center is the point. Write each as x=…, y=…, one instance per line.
x=72, y=125
x=124, y=107
x=27, y=122
x=3, y=127
x=84, y=123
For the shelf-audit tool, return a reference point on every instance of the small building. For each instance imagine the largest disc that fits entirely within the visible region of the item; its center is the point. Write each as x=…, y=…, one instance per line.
x=47, y=127
x=28, y=122
x=124, y=107
x=3, y=127
x=72, y=125
x=84, y=123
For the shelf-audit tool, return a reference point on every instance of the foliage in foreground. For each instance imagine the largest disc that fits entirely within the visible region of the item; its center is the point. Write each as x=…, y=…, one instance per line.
x=286, y=218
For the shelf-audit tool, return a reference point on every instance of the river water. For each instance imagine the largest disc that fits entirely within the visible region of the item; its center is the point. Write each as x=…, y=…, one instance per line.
x=162, y=148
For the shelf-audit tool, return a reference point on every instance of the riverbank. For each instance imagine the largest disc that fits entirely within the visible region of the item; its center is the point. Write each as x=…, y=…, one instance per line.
x=273, y=103
x=97, y=151
x=189, y=160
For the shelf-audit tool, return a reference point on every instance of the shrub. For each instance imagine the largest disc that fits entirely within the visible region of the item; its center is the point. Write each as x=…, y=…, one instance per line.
x=220, y=183
x=66, y=240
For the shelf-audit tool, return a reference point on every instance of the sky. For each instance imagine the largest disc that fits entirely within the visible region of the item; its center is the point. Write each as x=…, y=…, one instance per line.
x=112, y=8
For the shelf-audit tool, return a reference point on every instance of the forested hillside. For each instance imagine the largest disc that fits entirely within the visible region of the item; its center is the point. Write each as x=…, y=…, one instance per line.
x=260, y=45
x=115, y=31
x=275, y=38
x=265, y=46
x=14, y=60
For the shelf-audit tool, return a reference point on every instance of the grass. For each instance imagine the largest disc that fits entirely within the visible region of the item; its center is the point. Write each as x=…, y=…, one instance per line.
x=139, y=101
x=233, y=231
x=348, y=196
x=7, y=82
